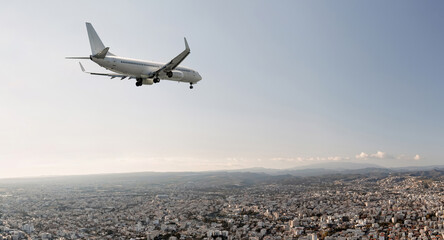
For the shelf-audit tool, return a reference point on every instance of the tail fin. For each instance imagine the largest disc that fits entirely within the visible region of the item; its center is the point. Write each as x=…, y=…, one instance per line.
x=96, y=44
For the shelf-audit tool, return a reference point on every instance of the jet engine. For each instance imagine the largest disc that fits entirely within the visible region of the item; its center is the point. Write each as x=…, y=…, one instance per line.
x=174, y=75
x=147, y=81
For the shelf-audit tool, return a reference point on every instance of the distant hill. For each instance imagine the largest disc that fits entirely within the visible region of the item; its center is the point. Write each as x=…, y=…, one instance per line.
x=434, y=173
x=311, y=170
x=242, y=177
x=419, y=168
x=338, y=166
x=328, y=168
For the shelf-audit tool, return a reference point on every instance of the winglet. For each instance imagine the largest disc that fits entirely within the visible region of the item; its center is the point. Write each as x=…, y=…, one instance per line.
x=186, y=44
x=81, y=67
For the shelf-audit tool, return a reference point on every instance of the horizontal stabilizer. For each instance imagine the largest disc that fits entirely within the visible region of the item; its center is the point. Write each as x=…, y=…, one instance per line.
x=111, y=75
x=81, y=67
x=76, y=57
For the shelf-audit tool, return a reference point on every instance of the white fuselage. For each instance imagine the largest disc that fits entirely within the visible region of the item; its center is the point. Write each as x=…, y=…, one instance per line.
x=143, y=69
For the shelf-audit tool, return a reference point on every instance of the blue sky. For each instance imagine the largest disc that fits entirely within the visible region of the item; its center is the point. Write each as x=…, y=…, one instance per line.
x=285, y=84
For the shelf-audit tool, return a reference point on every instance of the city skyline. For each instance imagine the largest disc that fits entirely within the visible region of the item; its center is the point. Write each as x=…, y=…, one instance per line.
x=284, y=85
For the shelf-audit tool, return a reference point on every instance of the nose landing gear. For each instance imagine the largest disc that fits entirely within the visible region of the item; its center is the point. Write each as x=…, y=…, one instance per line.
x=191, y=85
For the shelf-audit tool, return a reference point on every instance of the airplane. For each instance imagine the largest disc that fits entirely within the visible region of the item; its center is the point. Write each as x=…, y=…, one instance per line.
x=145, y=72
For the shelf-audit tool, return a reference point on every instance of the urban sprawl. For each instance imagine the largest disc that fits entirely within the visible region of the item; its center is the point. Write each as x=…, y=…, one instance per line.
x=358, y=207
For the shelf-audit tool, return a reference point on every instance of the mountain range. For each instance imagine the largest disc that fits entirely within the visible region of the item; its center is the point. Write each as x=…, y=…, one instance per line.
x=239, y=177
x=319, y=169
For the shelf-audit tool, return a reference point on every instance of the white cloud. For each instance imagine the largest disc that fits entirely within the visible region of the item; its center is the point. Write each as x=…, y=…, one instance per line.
x=417, y=157
x=362, y=155
x=335, y=158
x=307, y=159
x=379, y=154
x=281, y=159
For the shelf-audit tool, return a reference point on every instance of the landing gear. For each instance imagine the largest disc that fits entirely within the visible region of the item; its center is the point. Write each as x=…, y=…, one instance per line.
x=139, y=82
x=156, y=80
x=191, y=85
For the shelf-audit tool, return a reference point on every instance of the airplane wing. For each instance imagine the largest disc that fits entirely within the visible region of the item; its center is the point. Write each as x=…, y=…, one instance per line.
x=112, y=75
x=175, y=62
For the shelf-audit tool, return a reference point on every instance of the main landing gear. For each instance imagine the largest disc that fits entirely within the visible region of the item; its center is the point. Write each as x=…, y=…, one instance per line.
x=156, y=80
x=191, y=85
x=139, y=82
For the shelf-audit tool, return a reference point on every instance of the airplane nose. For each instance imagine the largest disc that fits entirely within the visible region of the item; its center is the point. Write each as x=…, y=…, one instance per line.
x=199, y=77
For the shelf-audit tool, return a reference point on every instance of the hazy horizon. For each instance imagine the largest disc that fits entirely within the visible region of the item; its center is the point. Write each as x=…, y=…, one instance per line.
x=284, y=85
x=341, y=166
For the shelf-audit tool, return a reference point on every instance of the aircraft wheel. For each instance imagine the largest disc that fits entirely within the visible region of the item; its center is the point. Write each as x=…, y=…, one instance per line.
x=139, y=82
x=191, y=86
x=156, y=80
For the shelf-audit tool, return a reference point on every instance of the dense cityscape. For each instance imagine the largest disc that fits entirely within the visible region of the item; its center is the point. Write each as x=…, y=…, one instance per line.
x=247, y=206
